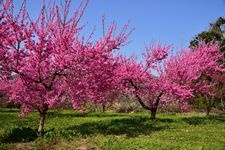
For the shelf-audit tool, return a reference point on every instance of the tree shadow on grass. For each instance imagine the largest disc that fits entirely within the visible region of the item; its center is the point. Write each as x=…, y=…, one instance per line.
x=84, y=114
x=204, y=120
x=130, y=127
x=7, y=110
x=105, y=114
x=165, y=120
x=24, y=134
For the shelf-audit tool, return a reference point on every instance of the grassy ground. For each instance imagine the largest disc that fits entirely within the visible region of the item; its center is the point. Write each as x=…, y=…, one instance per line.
x=109, y=130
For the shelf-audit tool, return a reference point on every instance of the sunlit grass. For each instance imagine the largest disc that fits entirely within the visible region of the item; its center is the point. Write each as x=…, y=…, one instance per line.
x=67, y=129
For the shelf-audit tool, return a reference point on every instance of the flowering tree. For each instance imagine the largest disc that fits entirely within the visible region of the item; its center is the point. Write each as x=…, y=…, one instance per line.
x=216, y=98
x=163, y=79
x=220, y=87
x=141, y=80
x=46, y=61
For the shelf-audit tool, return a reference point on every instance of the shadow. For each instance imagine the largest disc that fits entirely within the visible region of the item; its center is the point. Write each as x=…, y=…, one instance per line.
x=60, y=114
x=20, y=135
x=84, y=114
x=165, y=120
x=203, y=120
x=7, y=110
x=130, y=127
x=105, y=114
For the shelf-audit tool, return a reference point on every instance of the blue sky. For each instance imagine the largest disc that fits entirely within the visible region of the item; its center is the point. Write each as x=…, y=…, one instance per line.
x=167, y=21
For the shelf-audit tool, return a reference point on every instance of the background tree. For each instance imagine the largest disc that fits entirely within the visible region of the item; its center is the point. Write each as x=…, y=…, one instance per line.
x=163, y=79
x=216, y=33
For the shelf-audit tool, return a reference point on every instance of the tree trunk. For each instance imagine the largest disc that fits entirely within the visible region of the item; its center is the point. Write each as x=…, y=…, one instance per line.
x=209, y=104
x=152, y=109
x=155, y=107
x=42, y=122
x=103, y=108
x=153, y=113
x=222, y=104
x=208, y=109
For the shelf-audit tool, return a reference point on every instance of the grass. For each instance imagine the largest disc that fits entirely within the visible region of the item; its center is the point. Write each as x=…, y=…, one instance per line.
x=67, y=129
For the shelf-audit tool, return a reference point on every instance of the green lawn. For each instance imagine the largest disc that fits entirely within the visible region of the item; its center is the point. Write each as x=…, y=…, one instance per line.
x=109, y=130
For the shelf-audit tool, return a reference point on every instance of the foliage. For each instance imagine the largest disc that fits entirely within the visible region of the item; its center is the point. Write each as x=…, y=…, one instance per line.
x=163, y=79
x=50, y=61
x=46, y=61
x=215, y=34
x=110, y=130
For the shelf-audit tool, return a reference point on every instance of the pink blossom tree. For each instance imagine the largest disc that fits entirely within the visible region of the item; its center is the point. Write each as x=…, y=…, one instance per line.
x=45, y=61
x=164, y=79
x=219, y=79
x=216, y=96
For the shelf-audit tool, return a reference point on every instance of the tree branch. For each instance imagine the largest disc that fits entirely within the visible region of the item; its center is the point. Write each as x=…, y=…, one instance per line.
x=137, y=96
x=158, y=99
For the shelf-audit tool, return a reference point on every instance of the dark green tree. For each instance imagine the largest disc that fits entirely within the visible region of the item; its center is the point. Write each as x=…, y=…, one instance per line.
x=216, y=33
